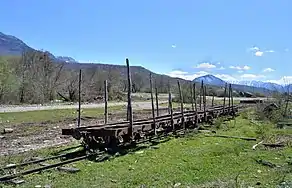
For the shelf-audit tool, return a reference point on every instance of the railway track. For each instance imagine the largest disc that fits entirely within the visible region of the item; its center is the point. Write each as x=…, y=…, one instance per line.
x=13, y=171
x=35, y=165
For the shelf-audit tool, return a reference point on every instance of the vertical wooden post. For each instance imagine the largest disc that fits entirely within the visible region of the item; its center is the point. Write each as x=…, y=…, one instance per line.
x=229, y=98
x=79, y=99
x=192, y=97
x=152, y=104
x=213, y=100
x=231, y=93
x=181, y=105
x=224, y=100
x=170, y=107
x=204, y=101
x=169, y=97
x=195, y=98
x=232, y=102
x=156, y=98
x=201, y=92
x=130, y=110
x=105, y=102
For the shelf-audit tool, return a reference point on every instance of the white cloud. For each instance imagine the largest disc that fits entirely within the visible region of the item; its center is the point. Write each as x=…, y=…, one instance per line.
x=205, y=66
x=178, y=72
x=246, y=67
x=252, y=76
x=240, y=68
x=268, y=70
x=225, y=77
x=255, y=48
x=222, y=68
x=259, y=53
x=173, y=46
x=240, y=71
x=186, y=75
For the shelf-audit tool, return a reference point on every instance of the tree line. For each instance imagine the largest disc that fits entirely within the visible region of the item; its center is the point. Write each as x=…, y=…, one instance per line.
x=36, y=78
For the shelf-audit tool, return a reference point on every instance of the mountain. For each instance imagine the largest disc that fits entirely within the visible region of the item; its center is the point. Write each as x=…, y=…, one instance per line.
x=13, y=46
x=266, y=85
x=210, y=80
x=66, y=59
x=10, y=45
x=247, y=86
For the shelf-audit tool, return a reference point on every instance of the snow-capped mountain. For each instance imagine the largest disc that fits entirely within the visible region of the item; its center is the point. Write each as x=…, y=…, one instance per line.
x=242, y=85
x=211, y=80
x=261, y=84
x=66, y=59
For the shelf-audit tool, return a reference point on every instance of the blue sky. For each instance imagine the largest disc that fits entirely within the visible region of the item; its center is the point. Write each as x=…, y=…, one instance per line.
x=233, y=40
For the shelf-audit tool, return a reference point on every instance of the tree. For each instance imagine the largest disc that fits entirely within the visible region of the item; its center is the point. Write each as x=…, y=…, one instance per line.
x=8, y=82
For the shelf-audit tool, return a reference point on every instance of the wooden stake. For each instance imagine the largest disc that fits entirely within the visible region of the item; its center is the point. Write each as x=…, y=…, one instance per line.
x=169, y=97
x=201, y=92
x=130, y=110
x=156, y=98
x=105, y=102
x=213, y=100
x=224, y=100
x=170, y=107
x=231, y=95
x=79, y=99
x=229, y=98
x=152, y=104
x=192, y=97
x=204, y=98
x=195, y=98
x=181, y=105
x=236, y=137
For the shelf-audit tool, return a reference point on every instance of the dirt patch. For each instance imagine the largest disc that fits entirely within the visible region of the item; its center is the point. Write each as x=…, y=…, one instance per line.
x=33, y=136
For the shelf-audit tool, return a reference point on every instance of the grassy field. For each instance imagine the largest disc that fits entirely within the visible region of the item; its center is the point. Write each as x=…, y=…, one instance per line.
x=53, y=115
x=191, y=161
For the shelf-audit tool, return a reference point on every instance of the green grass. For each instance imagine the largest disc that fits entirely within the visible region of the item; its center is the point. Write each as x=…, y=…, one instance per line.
x=52, y=115
x=193, y=161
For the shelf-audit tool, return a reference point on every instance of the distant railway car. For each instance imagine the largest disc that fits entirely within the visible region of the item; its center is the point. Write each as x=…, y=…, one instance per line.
x=251, y=101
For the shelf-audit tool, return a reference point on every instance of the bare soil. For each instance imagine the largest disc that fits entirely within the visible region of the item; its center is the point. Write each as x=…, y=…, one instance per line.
x=33, y=136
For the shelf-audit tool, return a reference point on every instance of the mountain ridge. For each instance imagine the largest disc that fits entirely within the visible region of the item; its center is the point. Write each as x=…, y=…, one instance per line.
x=213, y=80
x=13, y=46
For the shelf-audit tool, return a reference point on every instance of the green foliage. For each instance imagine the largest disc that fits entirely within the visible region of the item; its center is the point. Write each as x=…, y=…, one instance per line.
x=262, y=130
x=219, y=122
x=53, y=116
x=8, y=82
